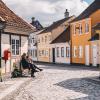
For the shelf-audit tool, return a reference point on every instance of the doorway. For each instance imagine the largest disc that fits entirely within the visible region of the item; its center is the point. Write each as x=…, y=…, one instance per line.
x=94, y=53
x=87, y=55
x=53, y=55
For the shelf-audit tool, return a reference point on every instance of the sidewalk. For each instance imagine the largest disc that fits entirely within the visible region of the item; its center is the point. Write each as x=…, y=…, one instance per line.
x=11, y=87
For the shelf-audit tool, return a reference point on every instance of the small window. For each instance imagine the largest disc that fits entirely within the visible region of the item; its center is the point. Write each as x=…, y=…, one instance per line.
x=15, y=47
x=57, y=51
x=62, y=52
x=42, y=39
x=67, y=52
x=75, y=51
x=35, y=53
x=80, y=28
x=86, y=27
x=45, y=39
x=80, y=51
x=74, y=29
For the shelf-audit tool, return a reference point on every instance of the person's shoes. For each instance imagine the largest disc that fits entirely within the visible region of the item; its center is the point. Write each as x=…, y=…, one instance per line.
x=41, y=69
x=36, y=71
x=32, y=76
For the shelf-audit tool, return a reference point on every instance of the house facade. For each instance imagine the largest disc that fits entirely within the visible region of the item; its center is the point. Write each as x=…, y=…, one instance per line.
x=61, y=47
x=32, y=45
x=81, y=32
x=95, y=45
x=45, y=49
x=14, y=37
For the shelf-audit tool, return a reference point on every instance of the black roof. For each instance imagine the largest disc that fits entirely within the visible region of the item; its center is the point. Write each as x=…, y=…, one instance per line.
x=37, y=25
x=91, y=9
x=55, y=25
x=63, y=37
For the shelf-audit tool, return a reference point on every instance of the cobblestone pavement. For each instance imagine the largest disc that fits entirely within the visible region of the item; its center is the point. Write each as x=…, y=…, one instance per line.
x=61, y=83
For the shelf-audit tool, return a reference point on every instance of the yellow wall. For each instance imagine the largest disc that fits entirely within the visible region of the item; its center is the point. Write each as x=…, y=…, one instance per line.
x=95, y=17
x=80, y=40
x=44, y=46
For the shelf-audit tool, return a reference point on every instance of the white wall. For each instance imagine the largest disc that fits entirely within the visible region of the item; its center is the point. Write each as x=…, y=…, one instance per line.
x=5, y=44
x=24, y=44
x=32, y=46
x=61, y=59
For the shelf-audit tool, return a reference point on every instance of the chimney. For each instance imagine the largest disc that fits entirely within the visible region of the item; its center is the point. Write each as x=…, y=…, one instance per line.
x=33, y=19
x=66, y=14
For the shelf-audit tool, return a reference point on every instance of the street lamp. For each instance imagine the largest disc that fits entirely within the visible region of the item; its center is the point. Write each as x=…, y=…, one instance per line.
x=2, y=27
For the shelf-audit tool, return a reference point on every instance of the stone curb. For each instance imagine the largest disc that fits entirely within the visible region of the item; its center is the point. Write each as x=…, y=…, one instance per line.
x=15, y=92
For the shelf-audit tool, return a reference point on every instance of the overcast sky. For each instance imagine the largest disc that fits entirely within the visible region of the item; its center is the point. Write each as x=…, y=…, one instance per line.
x=46, y=11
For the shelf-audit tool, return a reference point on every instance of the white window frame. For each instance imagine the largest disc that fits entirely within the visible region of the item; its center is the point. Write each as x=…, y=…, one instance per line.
x=62, y=51
x=74, y=28
x=67, y=52
x=80, y=52
x=86, y=27
x=57, y=52
x=80, y=29
x=15, y=47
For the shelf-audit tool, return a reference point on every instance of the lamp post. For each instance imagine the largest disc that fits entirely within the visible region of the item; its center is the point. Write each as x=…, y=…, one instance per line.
x=2, y=26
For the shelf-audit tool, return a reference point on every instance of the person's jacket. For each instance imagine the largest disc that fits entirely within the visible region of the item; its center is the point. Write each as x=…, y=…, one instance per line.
x=24, y=63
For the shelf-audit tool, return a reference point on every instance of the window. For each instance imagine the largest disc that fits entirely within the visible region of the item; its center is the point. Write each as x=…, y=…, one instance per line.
x=39, y=53
x=75, y=51
x=15, y=47
x=33, y=40
x=86, y=27
x=45, y=39
x=67, y=52
x=43, y=52
x=80, y=28
x=74, y=29
x=57, y=51
x=42, y=39
x=50, y=38
x=35, y=53
x=62, y=52
x=80, y=51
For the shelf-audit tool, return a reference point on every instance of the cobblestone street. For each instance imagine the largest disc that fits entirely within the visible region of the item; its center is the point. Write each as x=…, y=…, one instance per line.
x=61, y=83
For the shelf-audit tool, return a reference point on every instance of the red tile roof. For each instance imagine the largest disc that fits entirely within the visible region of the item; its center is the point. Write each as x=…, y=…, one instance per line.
x=14, y=20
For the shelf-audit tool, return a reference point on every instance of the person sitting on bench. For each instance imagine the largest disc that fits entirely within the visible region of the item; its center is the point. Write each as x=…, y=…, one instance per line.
x=26, y=65
x=30, y=61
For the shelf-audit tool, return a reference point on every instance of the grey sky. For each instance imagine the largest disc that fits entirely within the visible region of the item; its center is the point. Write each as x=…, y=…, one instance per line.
x=46, y=11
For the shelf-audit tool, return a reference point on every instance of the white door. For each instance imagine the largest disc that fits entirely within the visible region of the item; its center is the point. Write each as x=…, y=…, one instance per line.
x=94, y=53
x=87, y=55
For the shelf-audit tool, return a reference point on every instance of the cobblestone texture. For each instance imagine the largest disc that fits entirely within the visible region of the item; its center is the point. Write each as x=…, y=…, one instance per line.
x=61, y=83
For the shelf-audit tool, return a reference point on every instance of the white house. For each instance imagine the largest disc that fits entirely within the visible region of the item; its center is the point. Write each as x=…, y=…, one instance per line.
x=61, y=48
x=32, y=49
x=95, y=45
x=14, y=37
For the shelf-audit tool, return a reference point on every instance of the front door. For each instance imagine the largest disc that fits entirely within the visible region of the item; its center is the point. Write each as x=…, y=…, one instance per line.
x=87, y=55
x=53, y=54
x=94, y=53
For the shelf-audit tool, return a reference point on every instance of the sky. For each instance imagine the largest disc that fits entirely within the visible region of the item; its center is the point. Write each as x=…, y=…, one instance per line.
x=46, y=11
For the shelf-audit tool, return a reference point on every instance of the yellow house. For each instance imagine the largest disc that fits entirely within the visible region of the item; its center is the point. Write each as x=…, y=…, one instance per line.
x=45, y=50
x=81, y=32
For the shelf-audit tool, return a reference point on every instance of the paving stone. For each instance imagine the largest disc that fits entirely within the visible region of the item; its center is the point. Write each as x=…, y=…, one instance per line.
x=61, y=83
